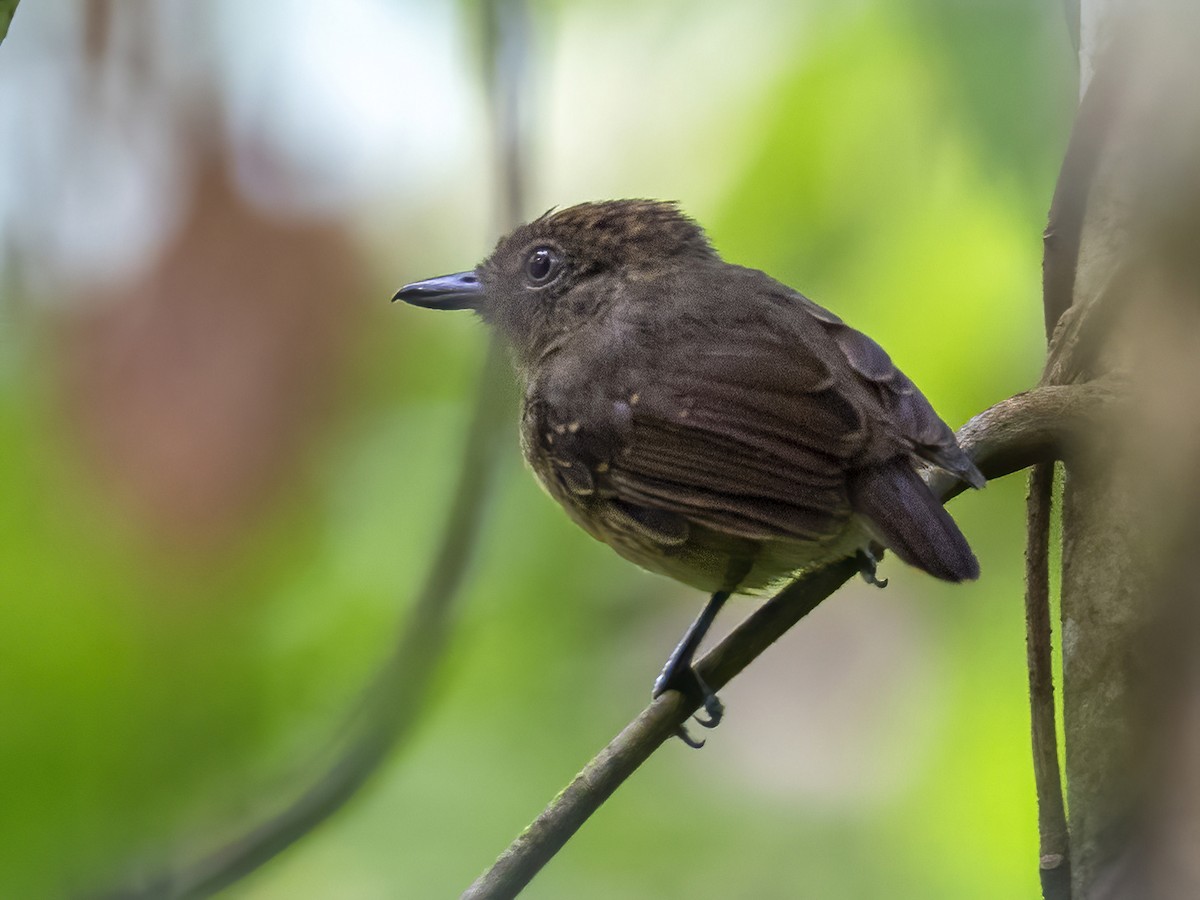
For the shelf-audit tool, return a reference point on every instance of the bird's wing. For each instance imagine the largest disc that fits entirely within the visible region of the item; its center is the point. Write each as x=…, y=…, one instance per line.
x=755, y=428
x=902, y=410
x=741, y=457
x=743, y=437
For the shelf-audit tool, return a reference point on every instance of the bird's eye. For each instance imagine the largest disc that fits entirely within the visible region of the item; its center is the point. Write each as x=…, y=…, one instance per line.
x=543, y=264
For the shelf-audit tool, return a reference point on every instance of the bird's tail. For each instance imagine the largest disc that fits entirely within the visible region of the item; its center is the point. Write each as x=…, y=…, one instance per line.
x=905, y=517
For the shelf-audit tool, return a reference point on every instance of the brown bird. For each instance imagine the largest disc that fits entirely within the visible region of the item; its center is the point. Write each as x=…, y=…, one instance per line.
x=702, y=419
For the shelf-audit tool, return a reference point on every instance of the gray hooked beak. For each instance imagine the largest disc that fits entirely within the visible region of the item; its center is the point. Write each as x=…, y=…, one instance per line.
x=459, y=291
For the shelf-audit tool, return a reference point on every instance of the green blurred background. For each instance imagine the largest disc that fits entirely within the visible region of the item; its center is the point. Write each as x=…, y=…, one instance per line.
x=225, y=459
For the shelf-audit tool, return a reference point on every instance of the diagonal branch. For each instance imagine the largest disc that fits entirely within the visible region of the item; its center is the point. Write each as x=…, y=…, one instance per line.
x=1032, y=427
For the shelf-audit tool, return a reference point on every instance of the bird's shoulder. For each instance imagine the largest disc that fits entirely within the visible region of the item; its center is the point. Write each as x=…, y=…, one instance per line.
x=721, y=344
x=896, y=416
x=727, y=353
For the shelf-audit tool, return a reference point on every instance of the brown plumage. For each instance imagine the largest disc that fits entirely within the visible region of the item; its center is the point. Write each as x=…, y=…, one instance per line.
x=693, y=414
x=701, y=418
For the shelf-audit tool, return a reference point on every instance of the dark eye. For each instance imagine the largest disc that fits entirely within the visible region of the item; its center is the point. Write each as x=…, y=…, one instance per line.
x=543, y=264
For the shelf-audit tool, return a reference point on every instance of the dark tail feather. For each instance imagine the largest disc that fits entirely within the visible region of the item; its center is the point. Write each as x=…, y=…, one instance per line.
x=907, y=519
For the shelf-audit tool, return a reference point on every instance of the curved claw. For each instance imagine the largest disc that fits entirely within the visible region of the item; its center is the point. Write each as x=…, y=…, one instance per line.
x=682, y=733
x=710, y=722
x=867, y=563
x=713, y=707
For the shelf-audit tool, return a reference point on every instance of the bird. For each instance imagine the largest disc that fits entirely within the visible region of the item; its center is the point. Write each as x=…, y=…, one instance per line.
x=704, y=420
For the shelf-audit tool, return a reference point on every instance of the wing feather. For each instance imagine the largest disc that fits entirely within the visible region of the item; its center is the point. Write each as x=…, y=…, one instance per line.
x=752, y=425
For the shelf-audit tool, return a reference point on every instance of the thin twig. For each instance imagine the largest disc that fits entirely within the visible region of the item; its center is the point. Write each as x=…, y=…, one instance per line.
x=1064, y=226
x=538, y=843
x=1054, y=861
x=1019, y=432
x=1065, y=325
x=1026, y=429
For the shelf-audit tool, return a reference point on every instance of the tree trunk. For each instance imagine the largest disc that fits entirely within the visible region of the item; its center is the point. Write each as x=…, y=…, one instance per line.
x=1129, y=502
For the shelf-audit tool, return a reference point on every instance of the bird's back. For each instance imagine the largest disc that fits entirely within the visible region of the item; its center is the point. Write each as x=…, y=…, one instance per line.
x=711, y=414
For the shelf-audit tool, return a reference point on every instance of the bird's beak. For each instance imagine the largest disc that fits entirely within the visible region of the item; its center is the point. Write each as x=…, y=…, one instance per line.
x=459, y=291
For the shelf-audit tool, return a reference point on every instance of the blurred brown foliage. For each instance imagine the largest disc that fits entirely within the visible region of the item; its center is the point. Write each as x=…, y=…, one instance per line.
x=194, y=390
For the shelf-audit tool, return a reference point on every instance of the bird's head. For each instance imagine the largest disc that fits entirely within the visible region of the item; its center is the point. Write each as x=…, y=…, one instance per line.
x=547, y=279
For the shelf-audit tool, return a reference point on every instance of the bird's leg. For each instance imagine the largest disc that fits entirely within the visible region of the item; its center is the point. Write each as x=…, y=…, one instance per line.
x=867, y=564
x=679, y=675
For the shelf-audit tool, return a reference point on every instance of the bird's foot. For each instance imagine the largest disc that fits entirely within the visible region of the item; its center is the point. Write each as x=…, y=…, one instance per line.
x=678, y=675
x=867, y=565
